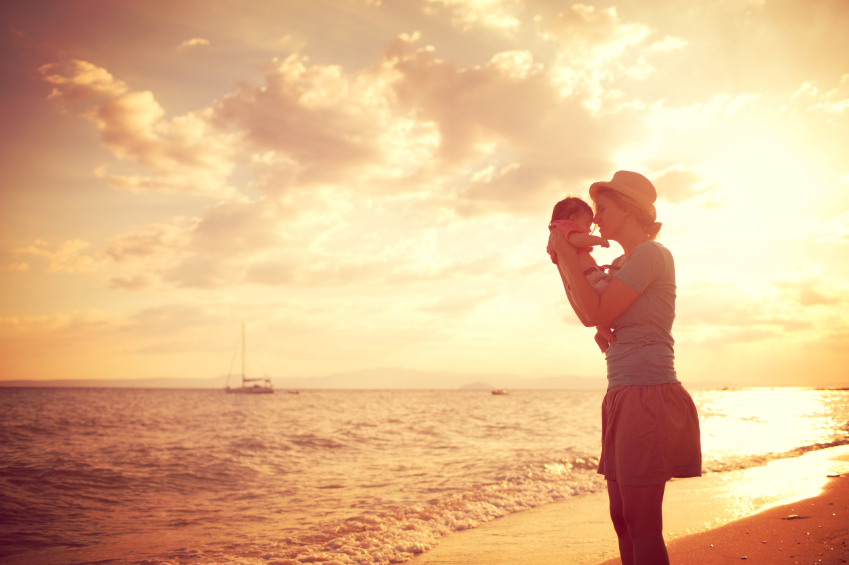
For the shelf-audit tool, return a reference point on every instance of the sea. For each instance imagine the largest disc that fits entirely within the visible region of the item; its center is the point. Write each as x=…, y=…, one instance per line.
x=146, y=476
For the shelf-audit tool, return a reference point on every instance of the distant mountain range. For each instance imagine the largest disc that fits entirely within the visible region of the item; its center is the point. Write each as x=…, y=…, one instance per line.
x=385, y=378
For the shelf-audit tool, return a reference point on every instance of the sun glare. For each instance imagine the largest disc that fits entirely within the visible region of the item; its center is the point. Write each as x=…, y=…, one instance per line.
x=765, y=182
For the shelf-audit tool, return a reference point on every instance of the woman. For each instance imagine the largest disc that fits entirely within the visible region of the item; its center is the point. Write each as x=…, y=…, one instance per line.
x=650, y=429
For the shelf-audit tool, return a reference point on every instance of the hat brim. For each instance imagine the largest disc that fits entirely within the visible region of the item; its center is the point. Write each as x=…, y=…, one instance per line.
x=628, y=193
x=596, y=186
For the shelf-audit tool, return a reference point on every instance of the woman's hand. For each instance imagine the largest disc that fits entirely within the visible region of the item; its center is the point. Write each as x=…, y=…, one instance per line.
x=564, y=250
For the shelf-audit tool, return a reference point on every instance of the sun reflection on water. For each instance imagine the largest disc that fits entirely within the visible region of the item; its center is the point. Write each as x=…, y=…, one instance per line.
x=763, y=421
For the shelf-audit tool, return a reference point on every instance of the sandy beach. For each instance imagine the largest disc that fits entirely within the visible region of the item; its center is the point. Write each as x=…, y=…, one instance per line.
x=813, y=530
x=718, y=518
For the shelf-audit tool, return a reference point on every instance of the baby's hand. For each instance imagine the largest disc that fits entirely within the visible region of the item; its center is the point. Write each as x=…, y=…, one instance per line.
x=604, y=337
x=604, y=243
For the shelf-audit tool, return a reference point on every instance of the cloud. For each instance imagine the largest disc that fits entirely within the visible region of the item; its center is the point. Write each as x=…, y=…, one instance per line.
x=669, y=43
x=151, y=240
x=202, y=272
x=167, y=319
x=835, y=229
x=67, y=323
x=797, y=302
x=346, y=242
x=678, y=183
x=705, y=128
x=596, y=29
x=417, y=123
x=236, y=228
x=377, y=159
x=137, y=282
x=412, y=124
x=700, y=115
x=594, y=47
x=458, y=303
x=494, y=14
x=67, y=258
x=184, y=153
x=811, y=98
x=194, y=42
x=326, y=122
x=806, y=287
x=813, y=297
x=76, y=337
x=511, y=123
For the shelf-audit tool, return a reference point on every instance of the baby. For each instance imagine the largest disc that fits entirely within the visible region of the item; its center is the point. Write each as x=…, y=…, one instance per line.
x=574, y=218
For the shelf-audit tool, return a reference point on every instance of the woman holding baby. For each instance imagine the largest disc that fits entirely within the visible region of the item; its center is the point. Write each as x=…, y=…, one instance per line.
x=650, y=428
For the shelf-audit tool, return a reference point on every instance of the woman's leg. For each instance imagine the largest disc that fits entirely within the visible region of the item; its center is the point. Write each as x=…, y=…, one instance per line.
x=637, y=514
x=626, y=547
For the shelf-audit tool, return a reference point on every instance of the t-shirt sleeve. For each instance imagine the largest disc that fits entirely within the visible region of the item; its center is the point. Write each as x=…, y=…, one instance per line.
x=565, y=227
x=645, y=265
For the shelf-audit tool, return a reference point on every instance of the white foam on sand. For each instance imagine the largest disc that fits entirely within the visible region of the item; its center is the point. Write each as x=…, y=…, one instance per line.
x=578, y=531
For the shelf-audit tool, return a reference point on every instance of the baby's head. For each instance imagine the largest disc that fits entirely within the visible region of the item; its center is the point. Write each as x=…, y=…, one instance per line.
x=575, y=210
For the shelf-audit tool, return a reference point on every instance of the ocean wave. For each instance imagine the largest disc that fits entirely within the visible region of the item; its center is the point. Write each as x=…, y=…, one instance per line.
x=361, y=477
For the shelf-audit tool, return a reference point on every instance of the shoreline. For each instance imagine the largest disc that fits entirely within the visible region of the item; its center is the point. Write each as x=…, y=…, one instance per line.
x=812, y=530
x=717, y=509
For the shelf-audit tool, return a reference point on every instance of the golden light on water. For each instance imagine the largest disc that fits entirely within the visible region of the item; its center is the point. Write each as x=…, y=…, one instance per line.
x=786, y=480
x=718, y=498
x=776, y=420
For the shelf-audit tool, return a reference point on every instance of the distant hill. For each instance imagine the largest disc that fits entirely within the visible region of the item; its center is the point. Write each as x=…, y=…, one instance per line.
x=382, y=378
x=163, y=382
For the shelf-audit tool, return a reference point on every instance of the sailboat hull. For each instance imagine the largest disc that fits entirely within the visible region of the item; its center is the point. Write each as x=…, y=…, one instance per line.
x=256, y=389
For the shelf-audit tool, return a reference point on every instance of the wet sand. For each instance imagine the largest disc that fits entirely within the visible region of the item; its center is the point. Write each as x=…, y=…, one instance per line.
x=706, y=521
x=813, y=530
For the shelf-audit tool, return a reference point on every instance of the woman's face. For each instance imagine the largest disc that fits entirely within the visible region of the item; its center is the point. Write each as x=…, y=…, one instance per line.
x=609, y=217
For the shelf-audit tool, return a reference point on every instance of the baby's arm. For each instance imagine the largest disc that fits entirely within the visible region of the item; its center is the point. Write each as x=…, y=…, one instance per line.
x=579, y=240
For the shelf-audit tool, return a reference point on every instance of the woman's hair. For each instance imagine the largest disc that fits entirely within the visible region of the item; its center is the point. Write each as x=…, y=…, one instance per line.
x=651, y=227
x=568, y=206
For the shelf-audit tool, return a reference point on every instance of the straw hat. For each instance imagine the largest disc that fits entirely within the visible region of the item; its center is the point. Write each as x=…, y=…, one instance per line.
x=634, y=186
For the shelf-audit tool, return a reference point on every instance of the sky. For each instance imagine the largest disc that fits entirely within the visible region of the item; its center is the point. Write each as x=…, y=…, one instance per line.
x=368, y=183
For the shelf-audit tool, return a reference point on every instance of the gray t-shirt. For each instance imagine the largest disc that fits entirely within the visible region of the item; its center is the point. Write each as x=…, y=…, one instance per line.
x=642, y=353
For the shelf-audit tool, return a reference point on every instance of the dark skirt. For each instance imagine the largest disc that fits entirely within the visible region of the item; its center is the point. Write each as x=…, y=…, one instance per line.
x=649, y=435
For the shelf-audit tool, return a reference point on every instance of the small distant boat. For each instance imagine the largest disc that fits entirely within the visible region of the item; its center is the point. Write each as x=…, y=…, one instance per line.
x=499, y=391
x=249, y=385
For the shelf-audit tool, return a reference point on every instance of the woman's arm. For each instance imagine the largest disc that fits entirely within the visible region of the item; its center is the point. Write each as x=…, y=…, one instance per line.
x=569, y=296
x=604, y=335
x=595, y=309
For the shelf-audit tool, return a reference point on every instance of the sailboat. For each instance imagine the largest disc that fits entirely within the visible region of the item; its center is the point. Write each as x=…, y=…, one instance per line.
x=246, y=388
